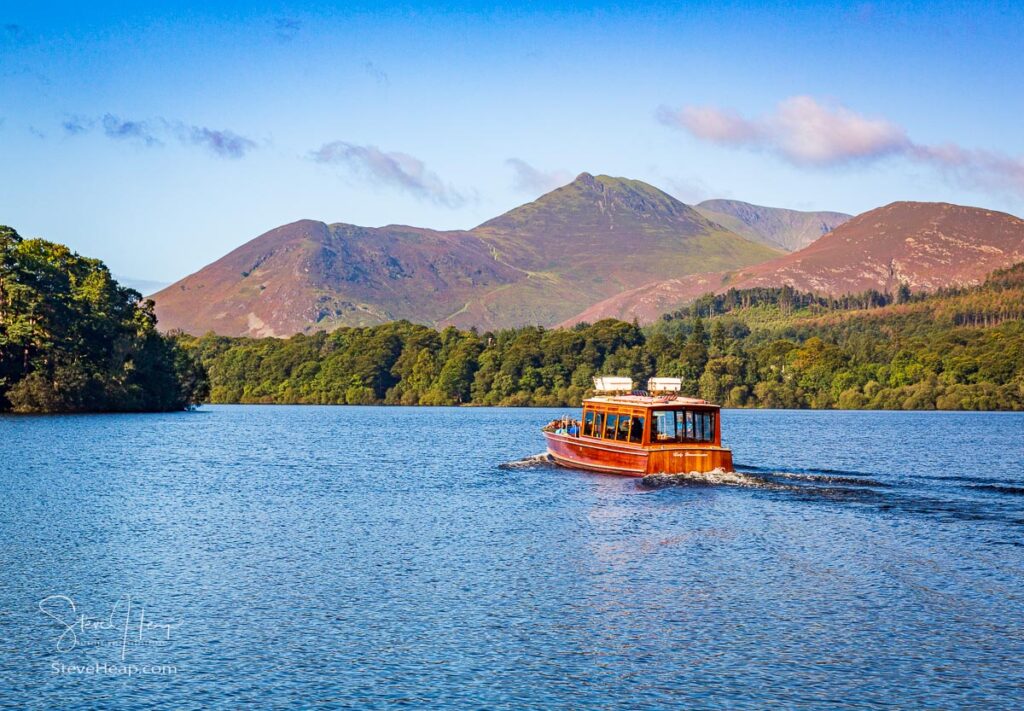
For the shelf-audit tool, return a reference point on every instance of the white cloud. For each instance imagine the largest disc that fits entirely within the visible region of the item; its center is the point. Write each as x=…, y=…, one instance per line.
x=399, y=170
x=809, y=133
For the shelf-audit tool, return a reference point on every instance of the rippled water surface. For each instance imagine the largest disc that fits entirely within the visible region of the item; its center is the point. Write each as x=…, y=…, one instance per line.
x=367, y=557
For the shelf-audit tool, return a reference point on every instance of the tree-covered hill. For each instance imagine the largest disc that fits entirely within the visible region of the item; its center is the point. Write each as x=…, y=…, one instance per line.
x=958, y=349
x=73, y=340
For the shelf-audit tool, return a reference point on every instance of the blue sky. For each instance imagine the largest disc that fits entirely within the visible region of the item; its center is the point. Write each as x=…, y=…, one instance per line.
x=158, y=138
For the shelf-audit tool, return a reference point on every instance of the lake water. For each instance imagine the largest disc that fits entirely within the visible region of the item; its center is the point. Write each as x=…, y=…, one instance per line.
x=372, y=557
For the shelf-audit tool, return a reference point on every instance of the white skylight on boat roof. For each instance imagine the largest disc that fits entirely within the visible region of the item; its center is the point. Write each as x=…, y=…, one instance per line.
x=612, y=384
x=664, y=385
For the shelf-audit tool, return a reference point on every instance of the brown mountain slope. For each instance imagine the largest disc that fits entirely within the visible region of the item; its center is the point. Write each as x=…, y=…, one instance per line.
x=777, y=227
x=308, y=275
x=537, y=264
x=925, y=245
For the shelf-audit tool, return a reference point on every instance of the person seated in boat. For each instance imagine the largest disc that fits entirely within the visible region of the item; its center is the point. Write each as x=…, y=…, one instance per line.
x=636, y=429
x=574, y=428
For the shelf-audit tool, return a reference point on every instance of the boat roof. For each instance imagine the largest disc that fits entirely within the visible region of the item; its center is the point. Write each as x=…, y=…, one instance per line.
x=649, y=401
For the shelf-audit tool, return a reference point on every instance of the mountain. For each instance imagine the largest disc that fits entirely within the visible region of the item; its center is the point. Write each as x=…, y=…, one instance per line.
x=584, y=241
x=536, y=264
x=308, y=275
x=788, y=230
x=924, y=245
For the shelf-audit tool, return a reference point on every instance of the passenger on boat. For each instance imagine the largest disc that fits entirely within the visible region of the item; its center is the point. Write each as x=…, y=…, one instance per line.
x=563, y=426
x=636, y=429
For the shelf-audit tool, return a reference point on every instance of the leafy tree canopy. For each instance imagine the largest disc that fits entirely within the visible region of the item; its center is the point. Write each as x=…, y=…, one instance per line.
x=957, y=349
x=72, y=339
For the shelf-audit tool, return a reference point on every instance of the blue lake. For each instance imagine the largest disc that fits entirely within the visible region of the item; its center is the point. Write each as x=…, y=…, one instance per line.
x=374, y=557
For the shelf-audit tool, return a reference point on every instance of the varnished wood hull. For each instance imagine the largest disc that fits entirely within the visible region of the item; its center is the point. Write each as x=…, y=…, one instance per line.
x=635, y=460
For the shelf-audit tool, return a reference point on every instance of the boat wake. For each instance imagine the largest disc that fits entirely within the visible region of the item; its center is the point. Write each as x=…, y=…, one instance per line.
x=824, y=485
x=541, y=460
x=716, y=477
x=861, y=481
x=764, y=479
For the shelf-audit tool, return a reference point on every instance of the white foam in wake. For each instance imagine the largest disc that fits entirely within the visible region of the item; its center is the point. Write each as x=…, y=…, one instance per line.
x=716, y=477
x=537, y=460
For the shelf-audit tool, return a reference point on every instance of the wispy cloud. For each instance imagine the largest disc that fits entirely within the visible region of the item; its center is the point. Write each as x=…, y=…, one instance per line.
x=376, y=73
x=222, y=143
x=75, y=125
x=529, y=179
x=397, y=170
x=809, y=133
x=801, y=130
x=285, y=28
x=985, y=170
x=712, y=124
x=126, y=130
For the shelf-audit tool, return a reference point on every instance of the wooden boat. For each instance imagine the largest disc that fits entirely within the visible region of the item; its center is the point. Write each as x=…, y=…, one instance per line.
x=641, y=433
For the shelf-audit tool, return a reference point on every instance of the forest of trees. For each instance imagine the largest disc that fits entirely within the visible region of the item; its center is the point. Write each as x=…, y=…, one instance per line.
x=73, y=340
x=959, y=349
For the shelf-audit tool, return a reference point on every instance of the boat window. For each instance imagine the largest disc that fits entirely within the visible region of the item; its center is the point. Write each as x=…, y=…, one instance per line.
x=636, y=430
x=709, y=426
x=598, y=424
x=588, y=423
x=672, y=426
x=624, y=430
x=610, y=425
x=663, y=426
x=699, y=426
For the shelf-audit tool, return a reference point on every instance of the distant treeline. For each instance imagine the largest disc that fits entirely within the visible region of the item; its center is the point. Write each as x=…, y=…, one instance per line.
x=788, y=300
x=959, y=349
x=73, y=340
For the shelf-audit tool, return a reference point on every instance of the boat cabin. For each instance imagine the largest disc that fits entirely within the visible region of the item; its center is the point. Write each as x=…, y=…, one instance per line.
x=625, y=431
x=648, y=420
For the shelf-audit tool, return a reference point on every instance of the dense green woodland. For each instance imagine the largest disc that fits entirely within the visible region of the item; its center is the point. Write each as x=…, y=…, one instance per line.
x=959, y=349
x=73, y=340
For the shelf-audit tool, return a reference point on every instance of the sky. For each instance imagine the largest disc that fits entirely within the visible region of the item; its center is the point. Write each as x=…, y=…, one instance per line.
x=159, y=136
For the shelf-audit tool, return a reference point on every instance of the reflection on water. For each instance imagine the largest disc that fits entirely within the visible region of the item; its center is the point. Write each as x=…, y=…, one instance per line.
x=380, y=556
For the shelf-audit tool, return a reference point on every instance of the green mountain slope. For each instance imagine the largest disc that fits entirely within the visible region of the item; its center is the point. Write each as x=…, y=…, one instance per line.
x=537, y=264
x=588, y=239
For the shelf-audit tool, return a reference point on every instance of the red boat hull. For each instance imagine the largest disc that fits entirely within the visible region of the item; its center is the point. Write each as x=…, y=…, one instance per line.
x=612, y=457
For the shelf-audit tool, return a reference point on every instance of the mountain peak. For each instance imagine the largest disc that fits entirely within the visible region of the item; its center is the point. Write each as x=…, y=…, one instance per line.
x=601, y=183
x=594, y=204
